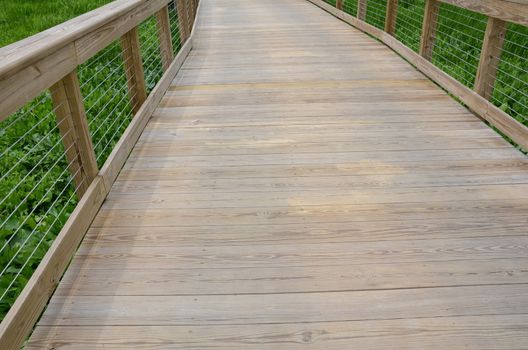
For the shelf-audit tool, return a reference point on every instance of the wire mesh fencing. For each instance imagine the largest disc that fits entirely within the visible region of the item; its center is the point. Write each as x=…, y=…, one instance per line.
x=458, y=42
x=409, y=23
x=175, y=27
x=150, y=53
x=511, y=84
x=350, y=7
x=376, y=11
x=106, y=98
x=37, y=189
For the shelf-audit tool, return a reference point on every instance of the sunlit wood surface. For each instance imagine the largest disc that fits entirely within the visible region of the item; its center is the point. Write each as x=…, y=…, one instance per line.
x=302, y=187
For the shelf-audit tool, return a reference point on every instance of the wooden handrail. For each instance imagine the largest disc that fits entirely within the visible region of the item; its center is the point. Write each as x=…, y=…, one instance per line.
x=34, y=64
x=499, y=12
x=515, y=12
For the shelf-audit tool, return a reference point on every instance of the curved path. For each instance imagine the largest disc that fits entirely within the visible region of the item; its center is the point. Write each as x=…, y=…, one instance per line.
x=302, y=187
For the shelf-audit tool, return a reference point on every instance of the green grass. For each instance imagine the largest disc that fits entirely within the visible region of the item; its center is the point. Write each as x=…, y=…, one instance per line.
x=22, y=18
x=37, y=193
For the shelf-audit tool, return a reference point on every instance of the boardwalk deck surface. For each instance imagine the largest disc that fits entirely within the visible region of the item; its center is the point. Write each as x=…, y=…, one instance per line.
x=302, y=187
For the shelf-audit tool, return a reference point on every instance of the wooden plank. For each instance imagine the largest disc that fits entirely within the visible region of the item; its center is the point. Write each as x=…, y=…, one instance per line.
x=97, y=281
x=134, y=69
x=286, y=308
x=281, y=256
x=362, y=10
x=391, y=16
x=465, y=168
x=164, y=37
x=20, y=319
x=490, y=57
x=299, y=233
x=430, y=20
x=73, y=125
x=501, y=332
x=282, y=214
x=339, y=4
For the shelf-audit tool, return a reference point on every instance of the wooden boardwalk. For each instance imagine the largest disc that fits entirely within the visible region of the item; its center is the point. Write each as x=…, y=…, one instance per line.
x=302, y=187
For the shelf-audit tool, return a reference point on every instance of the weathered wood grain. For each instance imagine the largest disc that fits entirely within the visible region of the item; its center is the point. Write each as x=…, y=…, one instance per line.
x=133, y=63
x=73, y=126
x=286, y=308
x=469, y=333
x=295, y=188
x=490, y=57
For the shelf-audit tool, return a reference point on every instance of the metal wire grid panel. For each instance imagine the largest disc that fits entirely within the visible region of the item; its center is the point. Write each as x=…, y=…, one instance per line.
x=37, y=191
x=175, y=28
x=458, y=42
x=350, y=7
x=409, y=23
x=376, y=11
x=150, y=52
x=106, y=99
x=511, y=85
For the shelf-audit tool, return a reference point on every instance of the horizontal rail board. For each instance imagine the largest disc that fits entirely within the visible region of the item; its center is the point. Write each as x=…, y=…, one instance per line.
x=516, y=12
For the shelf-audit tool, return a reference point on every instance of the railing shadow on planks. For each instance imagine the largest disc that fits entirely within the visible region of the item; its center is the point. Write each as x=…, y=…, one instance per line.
x=74, y=99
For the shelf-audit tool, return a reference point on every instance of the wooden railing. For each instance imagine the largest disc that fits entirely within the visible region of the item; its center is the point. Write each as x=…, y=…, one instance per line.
x=50, y=61
x=477, y=98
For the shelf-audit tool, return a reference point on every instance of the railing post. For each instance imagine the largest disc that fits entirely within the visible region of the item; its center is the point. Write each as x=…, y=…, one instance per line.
x=165, y=37
x=134, y=68
x=182, y=20
x=362, y=10
x=430, y=19
x=391, y=16
x=73, y=127
x=190, y=17
x=192, y=11
x=490, y=57
x=339, y=4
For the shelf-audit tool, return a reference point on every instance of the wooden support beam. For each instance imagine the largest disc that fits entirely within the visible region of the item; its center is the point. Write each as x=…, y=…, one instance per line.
x=165, y=37
x=340, y=4
x=189, y=13
x=362, y=10
x=73, y=126
x=134, y=68
x=182, y=20
x=490, y=57
x=391, y=16
x=430, y=20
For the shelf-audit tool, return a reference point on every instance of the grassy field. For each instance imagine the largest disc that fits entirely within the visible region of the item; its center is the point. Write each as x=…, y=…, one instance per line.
x=22, y=18
x=36, y=190
x=37, y=193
